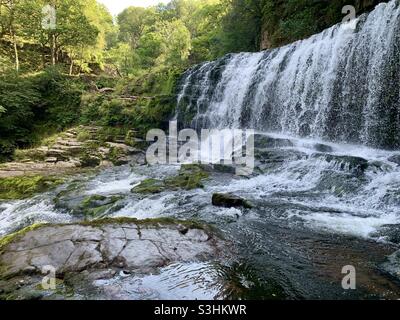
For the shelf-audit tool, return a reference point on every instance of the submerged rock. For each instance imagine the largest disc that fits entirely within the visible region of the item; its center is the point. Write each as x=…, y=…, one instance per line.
x=105, y=247
x=227, y=200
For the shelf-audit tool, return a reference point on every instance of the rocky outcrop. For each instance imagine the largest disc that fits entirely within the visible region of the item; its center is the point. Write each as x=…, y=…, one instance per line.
x=80, y=147
x=123, y=244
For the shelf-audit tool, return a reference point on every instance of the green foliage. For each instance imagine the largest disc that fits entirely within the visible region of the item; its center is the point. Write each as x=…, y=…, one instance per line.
x=60, y=99
x=35, y=105
x=18, y=96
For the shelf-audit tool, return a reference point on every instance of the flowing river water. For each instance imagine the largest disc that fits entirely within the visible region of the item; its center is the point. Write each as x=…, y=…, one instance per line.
x=314, y=213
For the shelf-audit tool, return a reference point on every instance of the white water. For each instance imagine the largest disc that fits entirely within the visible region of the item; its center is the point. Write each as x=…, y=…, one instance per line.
x=334, y=85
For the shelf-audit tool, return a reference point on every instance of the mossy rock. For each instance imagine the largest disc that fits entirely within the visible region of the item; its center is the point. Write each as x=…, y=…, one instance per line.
x=189, y=177
x=89, y=161
x=26, y=186
x=150, y=186
x=14, y=236
x=97, y=205
x=117, y=156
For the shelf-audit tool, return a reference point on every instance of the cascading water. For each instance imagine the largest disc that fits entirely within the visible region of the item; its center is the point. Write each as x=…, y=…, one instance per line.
x=339, y=85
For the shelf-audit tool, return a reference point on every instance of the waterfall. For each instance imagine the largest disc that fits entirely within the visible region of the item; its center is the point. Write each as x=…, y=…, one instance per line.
x=340, y=85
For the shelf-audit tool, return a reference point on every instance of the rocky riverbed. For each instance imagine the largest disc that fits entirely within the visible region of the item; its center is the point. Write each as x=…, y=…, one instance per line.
x=309, y=209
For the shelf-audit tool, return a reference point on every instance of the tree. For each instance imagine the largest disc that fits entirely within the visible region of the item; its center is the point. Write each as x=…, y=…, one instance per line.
x=132, y=23
x=72, y=31
x=168, y=44
x=9, y=14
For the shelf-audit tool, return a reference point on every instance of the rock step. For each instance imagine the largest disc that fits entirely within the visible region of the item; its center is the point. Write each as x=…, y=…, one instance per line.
x=134, y=245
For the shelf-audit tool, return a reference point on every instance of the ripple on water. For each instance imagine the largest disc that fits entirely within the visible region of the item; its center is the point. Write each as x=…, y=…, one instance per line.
x=190, y=281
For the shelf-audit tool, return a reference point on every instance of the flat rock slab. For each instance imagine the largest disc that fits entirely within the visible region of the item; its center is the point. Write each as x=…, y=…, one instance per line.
x=139, y=247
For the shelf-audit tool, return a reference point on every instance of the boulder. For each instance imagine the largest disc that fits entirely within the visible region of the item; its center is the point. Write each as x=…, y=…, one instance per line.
x=227, y=200
x=323, y=147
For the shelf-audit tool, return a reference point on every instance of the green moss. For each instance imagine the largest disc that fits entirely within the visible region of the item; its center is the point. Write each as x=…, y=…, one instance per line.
x=150, y=186
x=189, y=177
x=26, y=186
x=83, y=136
x=17, y=235
x=89, y=161
x=115, y=155
x=147, y=222
x=95, y=206
x=32, y=154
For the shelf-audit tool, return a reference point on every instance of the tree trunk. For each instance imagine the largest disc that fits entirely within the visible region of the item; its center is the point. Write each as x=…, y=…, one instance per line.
x=53, y=50
x=15, y=51
x=71, y=67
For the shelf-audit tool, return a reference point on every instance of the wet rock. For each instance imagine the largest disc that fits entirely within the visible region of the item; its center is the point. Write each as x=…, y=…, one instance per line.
x=345, y=163
x=90, y=207
x=265, y=141
x=379, y=166
x=227, y=200
x=390, y=232
x=323, y=147
x=150, y=186
x=267, y=159
x=392, y=265
x=339, y=183
x=97, y=206
x=80, y=252
x=395, y=159
x=223, y=168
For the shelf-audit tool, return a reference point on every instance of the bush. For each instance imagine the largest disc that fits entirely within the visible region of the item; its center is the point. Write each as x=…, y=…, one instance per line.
x=18, y=97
